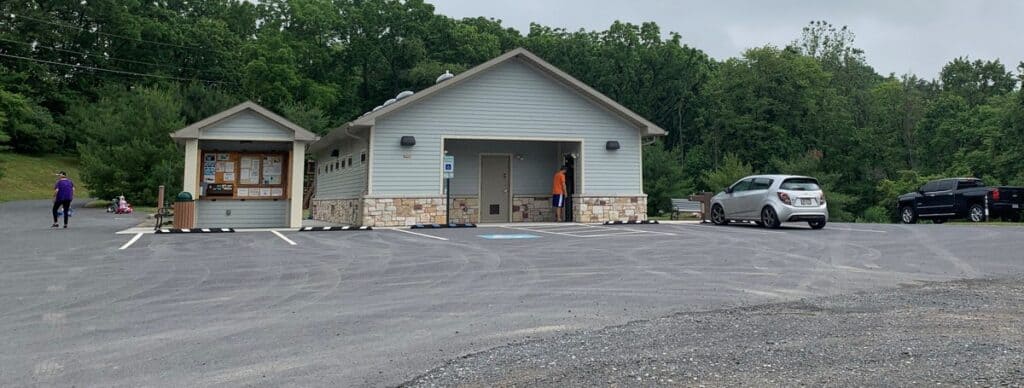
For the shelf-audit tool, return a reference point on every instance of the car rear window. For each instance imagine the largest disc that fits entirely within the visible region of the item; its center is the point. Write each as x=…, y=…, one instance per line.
x=800, y=184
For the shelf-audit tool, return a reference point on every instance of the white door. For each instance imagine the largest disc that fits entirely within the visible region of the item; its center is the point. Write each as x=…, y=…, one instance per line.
x=495, y=188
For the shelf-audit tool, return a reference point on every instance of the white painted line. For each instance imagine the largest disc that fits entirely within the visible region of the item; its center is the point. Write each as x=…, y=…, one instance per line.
x=856, y=230
x=539, y=231
x=132, y=241
x=613, y=234
x=420, y=234
x=729, y=229
x=651, y=231
x=283, y=237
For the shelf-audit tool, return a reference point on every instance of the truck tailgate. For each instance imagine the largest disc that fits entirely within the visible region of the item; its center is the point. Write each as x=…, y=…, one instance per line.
x=1010, y=195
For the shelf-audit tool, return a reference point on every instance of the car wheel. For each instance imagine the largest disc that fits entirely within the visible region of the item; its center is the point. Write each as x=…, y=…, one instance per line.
x=770, y=218
x=816, y=224
x=908, y=215
x=718, y=215
x=977, y=213
x=939, y=221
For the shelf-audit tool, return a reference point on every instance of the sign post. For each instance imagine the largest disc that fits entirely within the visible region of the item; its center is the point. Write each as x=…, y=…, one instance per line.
x=449, y=172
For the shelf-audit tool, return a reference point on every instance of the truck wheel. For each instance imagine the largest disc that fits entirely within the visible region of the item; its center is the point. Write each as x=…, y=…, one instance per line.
x=718, y=215
x=977, y=213
x=770, y=218
x=908, y=215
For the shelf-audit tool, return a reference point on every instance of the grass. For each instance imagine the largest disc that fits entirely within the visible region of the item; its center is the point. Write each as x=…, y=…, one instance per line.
x=32, y=177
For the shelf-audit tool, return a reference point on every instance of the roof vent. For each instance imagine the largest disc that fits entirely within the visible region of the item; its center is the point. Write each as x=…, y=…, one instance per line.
x=377, y=108
x=444, y=77
x=404, y=94
x=389, y=102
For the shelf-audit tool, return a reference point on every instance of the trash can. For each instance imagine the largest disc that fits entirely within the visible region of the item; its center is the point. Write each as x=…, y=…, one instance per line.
x=184, y=211
x=705, y=204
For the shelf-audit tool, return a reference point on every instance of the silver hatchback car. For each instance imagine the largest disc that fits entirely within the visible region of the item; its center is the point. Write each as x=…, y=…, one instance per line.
x=770, y=200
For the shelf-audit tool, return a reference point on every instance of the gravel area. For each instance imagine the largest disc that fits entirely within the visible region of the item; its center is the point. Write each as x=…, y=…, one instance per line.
x=959, y=333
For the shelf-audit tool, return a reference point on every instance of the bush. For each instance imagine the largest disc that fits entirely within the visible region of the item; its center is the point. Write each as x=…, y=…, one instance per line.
x=877, y=215
x=730, y=171
x=663, y=178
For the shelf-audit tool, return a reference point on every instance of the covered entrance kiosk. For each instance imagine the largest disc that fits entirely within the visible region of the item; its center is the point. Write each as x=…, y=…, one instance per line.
x=244, y=166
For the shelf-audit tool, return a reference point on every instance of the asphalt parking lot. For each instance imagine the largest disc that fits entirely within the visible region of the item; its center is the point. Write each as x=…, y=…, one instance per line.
x=86, y=306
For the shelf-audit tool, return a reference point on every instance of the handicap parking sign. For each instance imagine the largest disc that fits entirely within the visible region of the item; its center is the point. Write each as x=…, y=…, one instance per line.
x=449, y=166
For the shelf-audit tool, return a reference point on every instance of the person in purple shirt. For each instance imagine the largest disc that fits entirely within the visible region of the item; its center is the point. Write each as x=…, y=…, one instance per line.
x=63, y=193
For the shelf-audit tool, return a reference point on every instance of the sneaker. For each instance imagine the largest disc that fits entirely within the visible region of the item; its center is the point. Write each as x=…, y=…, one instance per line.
x=65, y=226
x=54, y=226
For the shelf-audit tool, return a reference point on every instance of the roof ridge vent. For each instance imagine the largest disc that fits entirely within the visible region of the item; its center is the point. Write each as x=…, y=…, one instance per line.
x=404, y=94
x=444, y=77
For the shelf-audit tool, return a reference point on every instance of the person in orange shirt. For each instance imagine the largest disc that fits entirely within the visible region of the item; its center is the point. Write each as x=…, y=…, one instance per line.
x=558, y=194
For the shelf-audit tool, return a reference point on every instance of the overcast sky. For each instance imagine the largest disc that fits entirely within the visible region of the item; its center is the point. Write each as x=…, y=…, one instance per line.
x=917, y=36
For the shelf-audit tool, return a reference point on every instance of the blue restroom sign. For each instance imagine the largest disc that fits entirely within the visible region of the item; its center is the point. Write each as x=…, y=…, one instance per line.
x=449, y=166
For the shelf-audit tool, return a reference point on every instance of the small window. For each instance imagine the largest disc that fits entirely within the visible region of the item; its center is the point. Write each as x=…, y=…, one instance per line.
x=337, y=164
x=800, y=184
x=970, y=183
x=946, y=185
x=742, y=185
x=761, y=184
x=362, y=157
x=930, y=187
x=350, y=161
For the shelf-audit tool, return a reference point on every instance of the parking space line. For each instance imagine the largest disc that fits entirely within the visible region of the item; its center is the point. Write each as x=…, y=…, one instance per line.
x=283, y=237
x=856, y=230
x=729, y=228
x=132, y=241
x=420, y=234
x=652, y=231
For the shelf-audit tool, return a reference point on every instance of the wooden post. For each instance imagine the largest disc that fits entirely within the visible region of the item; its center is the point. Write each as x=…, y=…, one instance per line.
x=160, y=198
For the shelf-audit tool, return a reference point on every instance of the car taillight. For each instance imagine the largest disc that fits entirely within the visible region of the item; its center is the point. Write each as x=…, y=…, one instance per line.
x=995, y=194
x=785, y=198
x=821, y=199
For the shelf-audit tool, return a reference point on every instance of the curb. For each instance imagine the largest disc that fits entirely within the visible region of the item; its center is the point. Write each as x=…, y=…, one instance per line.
x=196, y=230
x=333, y=228
x=630, y=222
x=438, y=226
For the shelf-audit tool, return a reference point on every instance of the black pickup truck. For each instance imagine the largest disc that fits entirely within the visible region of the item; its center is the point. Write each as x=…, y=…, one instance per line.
x=968, y=198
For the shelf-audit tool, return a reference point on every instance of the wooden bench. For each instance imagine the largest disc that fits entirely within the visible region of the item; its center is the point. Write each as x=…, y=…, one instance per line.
x=685, y=206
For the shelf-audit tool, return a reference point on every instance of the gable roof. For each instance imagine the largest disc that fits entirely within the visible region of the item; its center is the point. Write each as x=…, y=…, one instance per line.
x=369, y=119
x=192, y=131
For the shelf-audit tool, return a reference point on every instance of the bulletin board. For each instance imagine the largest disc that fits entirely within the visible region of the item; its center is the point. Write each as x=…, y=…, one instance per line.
x=244, y=175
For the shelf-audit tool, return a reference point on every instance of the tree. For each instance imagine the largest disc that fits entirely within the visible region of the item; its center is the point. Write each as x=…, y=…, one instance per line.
x=730, y=171
x=978, y=80
x=126, y=147
x=664, y=178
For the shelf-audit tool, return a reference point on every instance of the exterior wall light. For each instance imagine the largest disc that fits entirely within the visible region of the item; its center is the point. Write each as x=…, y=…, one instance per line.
x=611, y=145
x=408, y=141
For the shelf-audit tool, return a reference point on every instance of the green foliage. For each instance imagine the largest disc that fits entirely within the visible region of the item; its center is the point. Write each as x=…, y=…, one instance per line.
x=888, y=190
x=26, y=126
x=730, y=171
x=125, y=148
x=664, y=178
x=814, y=107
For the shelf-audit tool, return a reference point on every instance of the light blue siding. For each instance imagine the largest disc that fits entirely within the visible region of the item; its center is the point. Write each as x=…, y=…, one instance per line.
x=510, y=101
x=247, y=125
x=533, y=164
x=347, y=182
x=244, y=214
